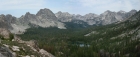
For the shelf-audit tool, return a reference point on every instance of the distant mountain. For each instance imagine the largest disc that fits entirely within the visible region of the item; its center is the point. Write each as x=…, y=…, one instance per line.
x=64, y=16
x=108, y=17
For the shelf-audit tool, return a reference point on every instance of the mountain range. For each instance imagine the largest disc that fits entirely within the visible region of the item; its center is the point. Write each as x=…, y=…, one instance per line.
x=108, y=17
x=46, y=18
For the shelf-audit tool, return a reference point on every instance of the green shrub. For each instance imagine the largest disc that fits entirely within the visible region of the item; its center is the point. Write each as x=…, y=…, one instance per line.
x=11, y=36
x=1, y=37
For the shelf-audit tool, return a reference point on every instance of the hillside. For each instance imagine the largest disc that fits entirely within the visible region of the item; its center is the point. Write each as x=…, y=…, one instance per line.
x=120, y=39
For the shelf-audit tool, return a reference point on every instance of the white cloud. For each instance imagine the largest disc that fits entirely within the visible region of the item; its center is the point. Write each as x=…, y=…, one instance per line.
x=90, y=3
x=19, y=7
x=21, y=4
x=113, y=5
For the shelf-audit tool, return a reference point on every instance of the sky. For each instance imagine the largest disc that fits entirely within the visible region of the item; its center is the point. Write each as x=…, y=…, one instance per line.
x=20, y=7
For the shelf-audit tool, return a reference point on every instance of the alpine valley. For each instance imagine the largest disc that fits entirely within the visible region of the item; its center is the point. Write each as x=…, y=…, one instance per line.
x=61, y=34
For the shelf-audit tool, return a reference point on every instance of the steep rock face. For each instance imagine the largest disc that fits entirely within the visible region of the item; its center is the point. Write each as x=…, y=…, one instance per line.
x=129, y=14
x=27, y=18
x=47, y=18
x=64, y=16
x=10, y=19
x=12, y=23
x=3, y=24
x=79, y=17
x=109, y=17
x=122, y=13
x=20, y=25
x=6, y=21
x=44, y=18
x=91, y=18
x=46, y=14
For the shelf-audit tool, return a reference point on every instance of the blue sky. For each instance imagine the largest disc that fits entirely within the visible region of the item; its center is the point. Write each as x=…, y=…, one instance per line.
x=20, y=7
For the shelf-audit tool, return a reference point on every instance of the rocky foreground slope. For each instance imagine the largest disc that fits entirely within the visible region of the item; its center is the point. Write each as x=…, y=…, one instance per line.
x=12, y=46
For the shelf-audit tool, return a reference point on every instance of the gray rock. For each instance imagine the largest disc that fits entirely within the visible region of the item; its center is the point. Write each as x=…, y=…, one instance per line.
x=4, y=32
x=5, y=52
x=64, y=16
x=46, y=14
